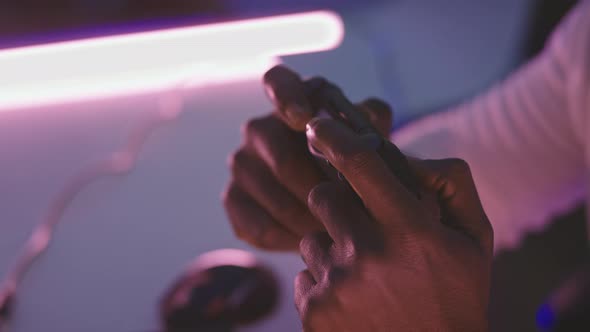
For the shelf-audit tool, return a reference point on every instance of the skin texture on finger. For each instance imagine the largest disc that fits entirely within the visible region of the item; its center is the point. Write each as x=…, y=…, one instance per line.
x=379, y=114
x=303, y=289
x=344, y=218
x=285, y=153
x=255, y=178
x=288, y=93
x=452, y=181
x=433, y=279
x=315, y=252
x=380, y=190
x=253, y=224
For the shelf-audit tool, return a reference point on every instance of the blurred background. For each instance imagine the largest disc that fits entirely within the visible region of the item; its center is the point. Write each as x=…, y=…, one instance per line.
x=124, y=239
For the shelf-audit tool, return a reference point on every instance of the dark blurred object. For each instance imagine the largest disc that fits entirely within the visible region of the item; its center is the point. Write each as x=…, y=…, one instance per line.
x=6, y=304
x=568, y=306
x=522, y=278
x=34, y=20
x=545, y=16
x=220, y=290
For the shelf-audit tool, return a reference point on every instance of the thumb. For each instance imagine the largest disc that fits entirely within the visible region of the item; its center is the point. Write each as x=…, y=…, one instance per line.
x=453, y=184
x=379, y=114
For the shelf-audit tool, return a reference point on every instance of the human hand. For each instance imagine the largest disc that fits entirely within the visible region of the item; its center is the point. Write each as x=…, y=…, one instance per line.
x=273, y=172
x=390, y=261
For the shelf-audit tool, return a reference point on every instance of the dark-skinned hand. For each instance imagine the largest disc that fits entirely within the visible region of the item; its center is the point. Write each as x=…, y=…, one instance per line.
x=390, y=261
x=273, y=172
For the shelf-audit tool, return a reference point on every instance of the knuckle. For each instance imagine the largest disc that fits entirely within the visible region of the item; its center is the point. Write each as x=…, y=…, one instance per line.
x=315, y=196
x=380, y=107
x=241, y=227
x=302, y=284
x=311, y=243
x=277, y=146
x=286, y=208
x=268, y=237
x=242, y=232
x=281, y=166
x=299, y=285
x=253, y=127
x=237, y=160
x=229, y=195
x=254, y=236
x=356, y=161
x=353, y=250
x=254, y=229
x=459, y=167
x=283, y=163
x=307, y=242
x=319, y=194
x=265, y=126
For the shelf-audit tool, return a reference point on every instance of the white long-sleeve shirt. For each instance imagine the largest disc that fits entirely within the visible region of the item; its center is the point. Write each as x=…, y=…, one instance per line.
x=527, y=139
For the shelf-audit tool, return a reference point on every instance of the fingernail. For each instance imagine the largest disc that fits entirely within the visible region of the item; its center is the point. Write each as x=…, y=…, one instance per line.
x=296, y=113
x=309, y=126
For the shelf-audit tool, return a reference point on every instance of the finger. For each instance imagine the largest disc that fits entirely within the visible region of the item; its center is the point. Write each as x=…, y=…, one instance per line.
x=315, y=252
x=253, y=225
x=357, y=159
x=303, y=289
x=379, y=114
x=254, y=177
x=288, y=93
x=285, y=153
x=452, y=181
x=343, y=216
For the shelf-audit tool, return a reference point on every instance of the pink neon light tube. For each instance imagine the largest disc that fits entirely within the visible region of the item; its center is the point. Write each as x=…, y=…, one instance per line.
x=153, y=60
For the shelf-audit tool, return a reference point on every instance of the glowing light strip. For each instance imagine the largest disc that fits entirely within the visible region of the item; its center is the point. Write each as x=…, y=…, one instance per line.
x=152, y=60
